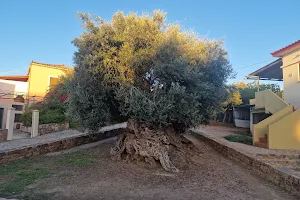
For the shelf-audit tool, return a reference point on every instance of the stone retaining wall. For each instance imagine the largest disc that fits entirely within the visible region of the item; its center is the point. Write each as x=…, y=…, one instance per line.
x=3, y=135
x=280, y=177
x=51, y=128
x=47, y=128
x=67, y=143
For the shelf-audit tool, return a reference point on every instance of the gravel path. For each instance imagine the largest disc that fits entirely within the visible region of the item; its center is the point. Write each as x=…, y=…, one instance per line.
x=212, y=177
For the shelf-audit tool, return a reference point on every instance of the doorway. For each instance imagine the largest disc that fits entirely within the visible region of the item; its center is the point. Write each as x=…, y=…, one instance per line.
x=1, y=116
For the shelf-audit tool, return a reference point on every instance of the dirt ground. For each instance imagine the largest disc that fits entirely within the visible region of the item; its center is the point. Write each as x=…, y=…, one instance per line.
x=98, y=177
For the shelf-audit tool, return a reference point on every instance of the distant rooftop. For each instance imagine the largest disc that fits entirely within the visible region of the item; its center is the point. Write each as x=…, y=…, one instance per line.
x=271, y=71
x=56, y=66
x=15, y=78
x=24, y=78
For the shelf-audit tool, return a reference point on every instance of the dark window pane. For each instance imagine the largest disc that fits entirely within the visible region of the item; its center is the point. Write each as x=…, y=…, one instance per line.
x=18, y=107
x=18, y=117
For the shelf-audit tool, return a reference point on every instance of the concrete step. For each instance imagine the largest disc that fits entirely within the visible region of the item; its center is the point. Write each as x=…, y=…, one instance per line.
x=263, y=140
x=280, y=156
x=287, y=162
x=261, y=145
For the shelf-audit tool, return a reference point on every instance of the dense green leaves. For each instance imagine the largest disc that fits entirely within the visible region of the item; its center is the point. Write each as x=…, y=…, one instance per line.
x=142, y=68
x=247, y=91
x=48, y=113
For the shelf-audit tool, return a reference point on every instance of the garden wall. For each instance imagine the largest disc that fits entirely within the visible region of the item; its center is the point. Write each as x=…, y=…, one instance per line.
x=3, y=135
x=47, y=128
x=279, y=177
x=52, y=146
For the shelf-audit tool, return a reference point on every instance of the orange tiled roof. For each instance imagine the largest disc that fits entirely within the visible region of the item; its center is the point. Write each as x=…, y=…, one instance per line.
x=15, y=78
x=286, y=48
x=56, y=66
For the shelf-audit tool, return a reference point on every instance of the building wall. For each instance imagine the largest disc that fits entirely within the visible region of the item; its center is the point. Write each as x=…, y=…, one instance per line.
x=285, y=134
x=262, y=128
x=37, y=85
x=7, y=86
x=292, y=85
x=291, y=78
x=269, y=101
x=39, y=79
x=291, y=58
x=6, y=104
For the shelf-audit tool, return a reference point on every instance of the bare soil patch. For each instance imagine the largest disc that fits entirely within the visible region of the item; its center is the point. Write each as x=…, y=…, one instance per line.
x=91, y=174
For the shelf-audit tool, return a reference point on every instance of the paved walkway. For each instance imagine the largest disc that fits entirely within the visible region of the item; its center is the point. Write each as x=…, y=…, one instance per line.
x=20, y=135
x=52, y=137
x=219, y=132
x=21, y=143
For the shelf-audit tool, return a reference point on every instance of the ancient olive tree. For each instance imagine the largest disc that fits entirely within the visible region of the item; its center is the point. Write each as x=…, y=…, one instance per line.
x=160, y=79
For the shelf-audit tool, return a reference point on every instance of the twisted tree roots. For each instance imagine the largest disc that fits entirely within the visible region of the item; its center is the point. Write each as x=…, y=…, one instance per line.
x=142, y=144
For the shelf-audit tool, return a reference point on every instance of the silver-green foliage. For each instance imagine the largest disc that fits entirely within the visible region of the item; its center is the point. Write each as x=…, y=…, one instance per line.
x=139, y=67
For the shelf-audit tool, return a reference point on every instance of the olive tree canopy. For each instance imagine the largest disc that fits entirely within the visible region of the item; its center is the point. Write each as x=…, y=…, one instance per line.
x=161, y=79
x=140, y=67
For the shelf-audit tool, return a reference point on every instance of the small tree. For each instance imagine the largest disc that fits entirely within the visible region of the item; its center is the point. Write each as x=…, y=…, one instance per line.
x=234, y=98
x=247, y=91
x=162, y=79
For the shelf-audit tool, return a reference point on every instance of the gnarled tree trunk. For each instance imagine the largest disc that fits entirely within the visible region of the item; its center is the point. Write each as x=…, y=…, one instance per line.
x=141, y=143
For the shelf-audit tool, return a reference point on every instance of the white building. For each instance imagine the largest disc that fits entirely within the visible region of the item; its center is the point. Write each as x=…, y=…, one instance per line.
x=12, y=89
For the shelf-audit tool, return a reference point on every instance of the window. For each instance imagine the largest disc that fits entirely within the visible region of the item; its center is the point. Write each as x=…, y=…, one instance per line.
x=52, y=81
x=18, y=107
x=18, y=118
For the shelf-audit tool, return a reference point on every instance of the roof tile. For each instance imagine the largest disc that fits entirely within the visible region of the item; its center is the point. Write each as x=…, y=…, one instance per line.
x=277, y=52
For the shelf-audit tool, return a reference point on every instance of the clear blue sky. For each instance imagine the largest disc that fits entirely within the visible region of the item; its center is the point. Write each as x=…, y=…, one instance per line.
x=43, y=30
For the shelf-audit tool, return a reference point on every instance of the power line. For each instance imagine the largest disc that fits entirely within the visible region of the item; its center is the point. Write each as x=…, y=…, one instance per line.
x=254, y=64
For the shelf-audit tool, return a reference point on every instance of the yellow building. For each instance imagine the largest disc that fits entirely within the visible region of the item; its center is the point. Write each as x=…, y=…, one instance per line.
x=275, y=122
x=42, y=76
x=32, y=87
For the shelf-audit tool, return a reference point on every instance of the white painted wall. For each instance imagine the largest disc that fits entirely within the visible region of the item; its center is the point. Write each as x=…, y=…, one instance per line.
x=291, y=85
x=6, y=104
x=6, y=101
x=7, y=86
x=242, y=123
x=291, y=78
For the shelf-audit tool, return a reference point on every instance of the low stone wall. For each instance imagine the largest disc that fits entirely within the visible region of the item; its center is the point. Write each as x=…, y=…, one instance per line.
x=67, y=143
x=51, y=128
x=47, y=128
x=3, y=135
x=280, y=177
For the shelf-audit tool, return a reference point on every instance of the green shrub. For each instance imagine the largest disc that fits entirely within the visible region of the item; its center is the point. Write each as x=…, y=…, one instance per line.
x=74, y=124
x=240, y=139
x=48, y=113
x=52, y=116
x=27, y=117
x=243, y=132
